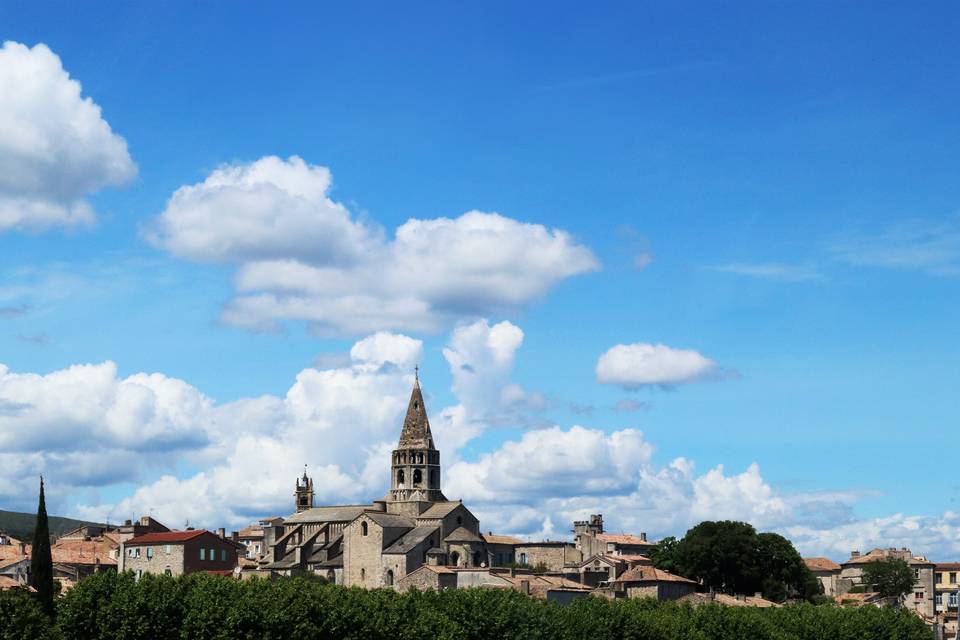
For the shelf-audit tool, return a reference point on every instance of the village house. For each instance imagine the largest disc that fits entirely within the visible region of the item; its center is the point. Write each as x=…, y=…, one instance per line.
x=175, y=553
x=14, y=562
x=649, y=582
x=923, y=597
x=82, y=552
x=826, y=571
x=947, y=586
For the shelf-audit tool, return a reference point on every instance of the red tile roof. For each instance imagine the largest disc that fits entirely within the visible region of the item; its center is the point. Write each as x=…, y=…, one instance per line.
x=651, y=574
x=6, y=582
x=74, y=551
x=948, y=566
x=10, y=553
x=166, y=537
x=821, y=564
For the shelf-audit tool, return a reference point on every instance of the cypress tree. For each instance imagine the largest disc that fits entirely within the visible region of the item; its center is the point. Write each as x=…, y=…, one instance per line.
x=41, y=562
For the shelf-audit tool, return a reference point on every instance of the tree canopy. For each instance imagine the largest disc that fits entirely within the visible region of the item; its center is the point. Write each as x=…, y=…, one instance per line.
x=891, y=578
x=732, y=557
x=41, y=562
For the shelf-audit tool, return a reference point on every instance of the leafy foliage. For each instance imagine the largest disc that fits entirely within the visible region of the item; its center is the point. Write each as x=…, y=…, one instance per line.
x=205, y=607
x=891, y=578
x=41, y=562
x=732, y=557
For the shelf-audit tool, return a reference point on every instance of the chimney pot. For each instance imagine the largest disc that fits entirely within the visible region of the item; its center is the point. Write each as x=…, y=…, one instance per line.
x=221, y=533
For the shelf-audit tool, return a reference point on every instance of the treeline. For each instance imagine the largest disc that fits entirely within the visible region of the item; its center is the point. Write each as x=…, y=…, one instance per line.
x=201, y=607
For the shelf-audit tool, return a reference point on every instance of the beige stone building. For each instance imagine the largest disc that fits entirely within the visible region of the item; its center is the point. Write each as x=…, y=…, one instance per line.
x=923, y=597
x=379, y=544
x=947, y=585
x=826, y=571
x=175, y=553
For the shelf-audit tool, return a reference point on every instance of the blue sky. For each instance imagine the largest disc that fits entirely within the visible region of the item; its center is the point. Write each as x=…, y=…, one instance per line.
x=772, y=186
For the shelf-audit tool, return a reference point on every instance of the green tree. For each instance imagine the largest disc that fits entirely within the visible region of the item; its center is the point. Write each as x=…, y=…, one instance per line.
x=782, y=573
x=41, y=563
x=721, y=555
x=664, y=555
x=891, y=578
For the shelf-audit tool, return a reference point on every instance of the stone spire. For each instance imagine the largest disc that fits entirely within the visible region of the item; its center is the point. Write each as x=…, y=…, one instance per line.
x=416, y=427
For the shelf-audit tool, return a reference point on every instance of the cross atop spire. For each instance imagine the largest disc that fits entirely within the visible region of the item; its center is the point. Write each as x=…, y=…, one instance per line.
x=416, y=427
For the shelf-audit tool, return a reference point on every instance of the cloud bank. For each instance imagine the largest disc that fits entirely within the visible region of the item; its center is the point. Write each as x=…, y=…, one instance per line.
x=55, y=146
x=303, y=257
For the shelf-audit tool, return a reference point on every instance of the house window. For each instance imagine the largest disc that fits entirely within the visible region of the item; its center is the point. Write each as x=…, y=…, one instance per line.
x=523, y=558
x=390, y=578
x=149, y=552
x=136, y=552
x=938, y=577
x=953, y=577
x=952, y=602
x=363, y=573
x=203, y=553
x=918, y=595
x=363, y=530
x=400, y=478
x=166, y=549
x=223, y=555
x=938, y=600
x=139, y=573
x=167, y=572
x=417, y=477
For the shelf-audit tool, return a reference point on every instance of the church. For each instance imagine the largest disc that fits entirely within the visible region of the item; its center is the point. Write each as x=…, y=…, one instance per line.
x=376, y=545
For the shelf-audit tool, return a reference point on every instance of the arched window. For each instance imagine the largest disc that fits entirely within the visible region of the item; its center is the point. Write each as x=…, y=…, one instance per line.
x=523, y=558
x=390, y=578
x=417, y=477
x=455, y=559
x=400, y=478
x=459, y=520
x=363, y=529
x=433, y=477
x=477, y=559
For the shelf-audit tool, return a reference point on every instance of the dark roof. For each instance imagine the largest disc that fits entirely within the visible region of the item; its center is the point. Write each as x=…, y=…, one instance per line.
x=341, y=513
x=416, y=427
x=462, y=534
x=492, y=538
x=167, y=537
x=390, y=520
x=439, y=510
x=411, y=539
x=948, y=566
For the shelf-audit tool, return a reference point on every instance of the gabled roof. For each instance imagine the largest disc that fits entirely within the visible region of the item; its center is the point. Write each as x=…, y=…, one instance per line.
x=411, y=539
x=948, y=566
x=439, y=510
x=79, y=551
x=167, y=537
x=391, y=520
x=491, y=538
x=416, y=427
x=604, y=558
x=651, y=574
x=462, y=534
x=6, y=582
x=821, y=564
x=342, y=513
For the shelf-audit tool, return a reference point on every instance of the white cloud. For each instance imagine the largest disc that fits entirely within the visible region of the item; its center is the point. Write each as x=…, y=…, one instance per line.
x=637, y=365
x=776, y=271
x=303, y=257
x=55, y=146
x=924, y=245
x=384, y=347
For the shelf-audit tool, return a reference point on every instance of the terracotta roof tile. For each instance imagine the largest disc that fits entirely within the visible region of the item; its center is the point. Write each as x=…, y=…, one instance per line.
x=821, y=564
x=167, y=537
x=76, y=551
x=6, y=582
x=651, y=574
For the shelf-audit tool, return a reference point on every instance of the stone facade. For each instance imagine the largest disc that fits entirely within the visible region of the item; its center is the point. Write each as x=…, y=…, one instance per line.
x=923, y=597
x=553, y=555
x=177, y=553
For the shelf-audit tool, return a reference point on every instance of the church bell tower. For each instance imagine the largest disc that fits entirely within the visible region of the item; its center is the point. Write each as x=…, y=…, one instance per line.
x=304, y=493
x=415, y=463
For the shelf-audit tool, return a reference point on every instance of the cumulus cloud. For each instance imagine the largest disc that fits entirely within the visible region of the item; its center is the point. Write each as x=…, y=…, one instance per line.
x=632, y=366
x=55, y=146
x=304, y=257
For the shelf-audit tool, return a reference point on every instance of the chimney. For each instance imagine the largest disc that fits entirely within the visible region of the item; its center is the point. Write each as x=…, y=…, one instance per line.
x=643, y=536
x=854, y=554
x=221, y=533
x=128, y=523
x=235, y=535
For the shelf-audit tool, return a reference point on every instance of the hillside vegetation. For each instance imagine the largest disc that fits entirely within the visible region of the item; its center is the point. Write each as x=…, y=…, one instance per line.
x=21, y=525
x=205, y=607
